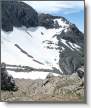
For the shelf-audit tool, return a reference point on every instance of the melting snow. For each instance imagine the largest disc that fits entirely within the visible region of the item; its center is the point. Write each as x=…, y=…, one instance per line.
x=34, y=42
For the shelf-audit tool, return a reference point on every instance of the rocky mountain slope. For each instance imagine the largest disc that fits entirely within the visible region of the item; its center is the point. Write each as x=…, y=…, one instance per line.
x=40, y=41
x=66, y=88
x=33, y=45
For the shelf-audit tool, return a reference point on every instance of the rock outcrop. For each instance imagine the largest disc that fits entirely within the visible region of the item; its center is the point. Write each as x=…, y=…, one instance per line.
x=17, y=14
x=7, y=81
x=53, y=88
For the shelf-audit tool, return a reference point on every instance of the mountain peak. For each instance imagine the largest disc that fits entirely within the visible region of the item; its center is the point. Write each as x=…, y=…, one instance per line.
x=40, y=40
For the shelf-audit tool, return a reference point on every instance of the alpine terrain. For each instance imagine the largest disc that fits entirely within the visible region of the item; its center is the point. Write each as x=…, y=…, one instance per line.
x=34, y=44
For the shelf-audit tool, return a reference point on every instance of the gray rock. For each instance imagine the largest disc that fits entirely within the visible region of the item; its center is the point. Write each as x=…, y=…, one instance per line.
x=46, y=20
x=17, y=14
x=69, y=61
x=50, y=75
x=7, y=81
x=80, y=72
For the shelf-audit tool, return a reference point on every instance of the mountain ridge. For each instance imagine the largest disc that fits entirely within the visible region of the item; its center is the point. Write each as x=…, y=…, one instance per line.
x=54, y=40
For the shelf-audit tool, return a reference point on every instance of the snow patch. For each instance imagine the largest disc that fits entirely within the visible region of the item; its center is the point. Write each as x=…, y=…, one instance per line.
x=30, y=75
x=34, y=41
x=61, y=22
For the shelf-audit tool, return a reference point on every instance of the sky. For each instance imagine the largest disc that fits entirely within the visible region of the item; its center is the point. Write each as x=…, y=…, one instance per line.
x=72, y=10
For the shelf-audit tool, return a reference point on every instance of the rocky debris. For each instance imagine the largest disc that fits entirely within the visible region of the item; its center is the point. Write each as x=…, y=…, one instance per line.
x=58, y=85
x=53, y=88
x=7, y=81
x=17, y=14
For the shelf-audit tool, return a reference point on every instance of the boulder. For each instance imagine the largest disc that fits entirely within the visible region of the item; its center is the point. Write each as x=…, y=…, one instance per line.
x=80, y=72
x=7, y=81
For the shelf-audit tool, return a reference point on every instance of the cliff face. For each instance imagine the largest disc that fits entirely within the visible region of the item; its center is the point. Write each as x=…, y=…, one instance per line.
x=17, y=14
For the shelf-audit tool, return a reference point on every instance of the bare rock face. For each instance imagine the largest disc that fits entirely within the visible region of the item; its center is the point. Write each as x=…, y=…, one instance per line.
x=46, y=20
x=7, y=81
x=69, y=61
x=17, y=14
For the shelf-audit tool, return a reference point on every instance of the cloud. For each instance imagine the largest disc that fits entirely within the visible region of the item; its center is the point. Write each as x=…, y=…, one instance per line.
x=52, y=7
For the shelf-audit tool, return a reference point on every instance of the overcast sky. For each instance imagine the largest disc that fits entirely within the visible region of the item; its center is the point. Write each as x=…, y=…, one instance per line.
x=72, y=10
